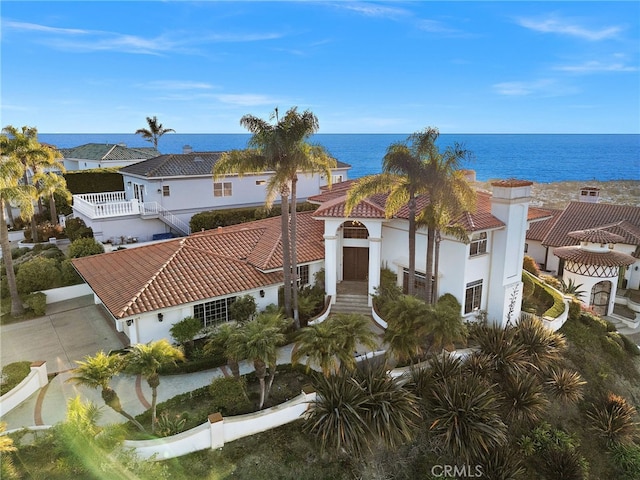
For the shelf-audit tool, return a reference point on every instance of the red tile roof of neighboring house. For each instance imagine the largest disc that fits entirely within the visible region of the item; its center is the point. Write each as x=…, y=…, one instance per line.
x=205, y=265
x=596, y=236
x=539, y=229
x=623, y=220
x=577, y=254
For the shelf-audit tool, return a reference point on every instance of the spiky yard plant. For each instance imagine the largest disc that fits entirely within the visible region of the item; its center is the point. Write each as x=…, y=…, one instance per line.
x=565, y=385
x=464, y=414
x=500, y=464
x=563, y=464
x=523, y=399
x=613, y=418
x=502, y=350
x=542, y=346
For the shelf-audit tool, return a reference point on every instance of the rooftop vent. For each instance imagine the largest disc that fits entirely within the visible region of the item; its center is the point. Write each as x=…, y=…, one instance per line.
x=187, y=149
x=198, y=159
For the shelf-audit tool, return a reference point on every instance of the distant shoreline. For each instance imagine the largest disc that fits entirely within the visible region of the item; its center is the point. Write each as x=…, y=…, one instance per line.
x=558, y=194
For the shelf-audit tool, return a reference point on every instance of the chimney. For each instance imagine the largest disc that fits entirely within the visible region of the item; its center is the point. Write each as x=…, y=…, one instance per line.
x=590, y=194
x=187, y=149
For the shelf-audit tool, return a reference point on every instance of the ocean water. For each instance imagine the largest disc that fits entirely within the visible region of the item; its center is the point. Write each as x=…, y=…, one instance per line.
x=534, y=157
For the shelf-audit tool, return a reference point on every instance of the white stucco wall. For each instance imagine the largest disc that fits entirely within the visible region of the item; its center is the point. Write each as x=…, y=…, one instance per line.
x=536, y=251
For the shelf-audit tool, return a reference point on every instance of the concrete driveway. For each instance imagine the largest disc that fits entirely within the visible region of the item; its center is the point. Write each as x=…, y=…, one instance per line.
x=69, y=331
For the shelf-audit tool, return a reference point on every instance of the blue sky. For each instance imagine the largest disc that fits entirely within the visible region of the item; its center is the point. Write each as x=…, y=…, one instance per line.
x=361, y=67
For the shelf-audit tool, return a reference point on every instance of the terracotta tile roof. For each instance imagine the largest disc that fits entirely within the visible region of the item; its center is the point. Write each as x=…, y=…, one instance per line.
x=623, y=219
x=332, y=205
x=539, y=228
x=596, y=236
x=106, y=152
x=204, y=265
x=586, y=257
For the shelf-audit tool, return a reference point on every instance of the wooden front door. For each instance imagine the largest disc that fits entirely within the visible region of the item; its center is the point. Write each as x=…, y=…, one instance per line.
x=355, y=263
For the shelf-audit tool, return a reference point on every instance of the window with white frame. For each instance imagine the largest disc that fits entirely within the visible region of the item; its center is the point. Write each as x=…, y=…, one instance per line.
x=166, y=191
x=213, y=313
x=222, y=189
x=478, y=244
x=303, y=275
x=473, y=296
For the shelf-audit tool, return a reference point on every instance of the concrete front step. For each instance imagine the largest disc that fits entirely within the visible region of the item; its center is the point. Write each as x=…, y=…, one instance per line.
x=350, y=303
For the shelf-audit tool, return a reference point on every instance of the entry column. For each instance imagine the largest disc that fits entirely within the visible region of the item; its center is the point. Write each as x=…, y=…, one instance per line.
x=375, y=251
x=330, y=266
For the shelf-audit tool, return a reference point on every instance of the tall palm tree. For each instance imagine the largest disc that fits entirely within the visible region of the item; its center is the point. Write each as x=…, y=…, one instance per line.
x=23, y=145
x=97, y=372
x=50, y=183
x=147, y=360
x=445, y=325
x=11, y=190
x=261, y=338
x=154, y=132
x=280, y=148
x=223, y=338
x=403, y=179
x=449, y=194
x=332, y=343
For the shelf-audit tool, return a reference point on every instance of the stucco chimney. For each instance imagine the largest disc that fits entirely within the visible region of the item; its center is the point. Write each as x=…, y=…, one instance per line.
x=590, y=194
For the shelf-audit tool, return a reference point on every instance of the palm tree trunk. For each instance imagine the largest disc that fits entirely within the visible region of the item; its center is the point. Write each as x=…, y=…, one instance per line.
x=436, y=266
x=286, y=250
x=235, y=367
x=272, y=376
x=430, y=244
x=34, y=229
x=112, y=400
x=40, y=206
x=9, y=212
x=154, y=380
x=294, y=252
x=412, y=246
x=52, y=209
x=17, y=308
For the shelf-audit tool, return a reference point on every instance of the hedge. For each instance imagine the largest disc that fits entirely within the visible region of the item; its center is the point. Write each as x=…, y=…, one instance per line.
x=94, y=180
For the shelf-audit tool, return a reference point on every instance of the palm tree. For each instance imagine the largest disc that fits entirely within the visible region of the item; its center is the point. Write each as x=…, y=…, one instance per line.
x=407, y=329
x=282, y=149
x=449, y=195
x=445, y=325
x=147, y=360
x=154, y=132
x=332, y=343
x=50, y=183
x=11, y=190
x=354, y=411
x=261, y=338
x=223, y=338
x=403, y=179
x=23, y=145
x=97, y=372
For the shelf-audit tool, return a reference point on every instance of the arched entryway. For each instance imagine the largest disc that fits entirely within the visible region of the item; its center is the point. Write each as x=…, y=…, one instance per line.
x=600, y=295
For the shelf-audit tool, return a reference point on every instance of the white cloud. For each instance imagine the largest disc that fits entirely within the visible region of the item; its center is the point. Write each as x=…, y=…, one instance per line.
x=596, y=66
x=247, y=99
x=539, y=88
x=372, y=9
x=33, y=27
x=561, y=26
x=177, y=85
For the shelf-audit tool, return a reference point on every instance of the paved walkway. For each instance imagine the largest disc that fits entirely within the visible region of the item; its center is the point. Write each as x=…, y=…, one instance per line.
x=73, y=329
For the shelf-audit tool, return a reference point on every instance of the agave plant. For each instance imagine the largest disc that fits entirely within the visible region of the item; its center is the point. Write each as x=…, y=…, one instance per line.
x=572, y=289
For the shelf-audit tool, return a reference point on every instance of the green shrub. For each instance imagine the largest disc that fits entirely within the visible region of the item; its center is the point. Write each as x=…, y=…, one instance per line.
x=387, y=292
x=243, y=309
x=94, y=180
x=626, y=458
x=17, y=252
x=75, y=228
x=37, y=302
x=84, y=247
x=170, y=424
x=69, y=274
x=13, y=374
x=530, y=265
x=552, y=281
x=229, y=395
x=38, y=274
x=596, y=322
x=629, y=346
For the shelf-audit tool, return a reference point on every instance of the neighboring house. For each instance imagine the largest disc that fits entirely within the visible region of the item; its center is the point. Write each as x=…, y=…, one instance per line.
x=163, y=193
x=573, y=245
x=104, y=155
x=149, y=288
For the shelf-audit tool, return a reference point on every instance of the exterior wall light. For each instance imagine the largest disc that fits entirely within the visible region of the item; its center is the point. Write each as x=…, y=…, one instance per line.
x=160, y=317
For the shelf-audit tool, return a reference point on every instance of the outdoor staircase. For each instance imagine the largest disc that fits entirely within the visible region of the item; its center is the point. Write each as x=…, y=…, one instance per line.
x=351, y=303
x=155, y=210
